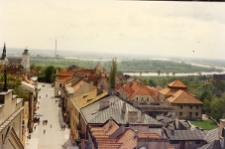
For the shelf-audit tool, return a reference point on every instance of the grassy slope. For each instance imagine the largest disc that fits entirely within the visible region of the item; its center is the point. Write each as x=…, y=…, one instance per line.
x=204, y=124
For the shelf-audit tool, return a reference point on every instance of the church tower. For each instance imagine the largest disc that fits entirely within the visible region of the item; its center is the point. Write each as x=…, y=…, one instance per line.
x=26, y=60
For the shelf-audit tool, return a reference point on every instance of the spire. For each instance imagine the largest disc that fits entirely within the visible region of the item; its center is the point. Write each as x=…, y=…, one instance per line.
x=3, y=53
x=5, y=60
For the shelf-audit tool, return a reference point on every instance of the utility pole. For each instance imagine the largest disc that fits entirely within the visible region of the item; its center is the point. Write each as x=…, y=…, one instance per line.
x=56, y=48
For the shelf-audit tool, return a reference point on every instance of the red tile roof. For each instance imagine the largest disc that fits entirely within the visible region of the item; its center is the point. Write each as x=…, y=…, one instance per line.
x=149, y=135
x=182, y=97
x=63, y=76
x=127, y=140
x=177, y=84
x=135, y=88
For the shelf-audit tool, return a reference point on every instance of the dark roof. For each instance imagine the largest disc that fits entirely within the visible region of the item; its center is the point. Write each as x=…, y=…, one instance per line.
x=211, y=138
x=184, y=124
x=14, y=60
x=211, y=135
x=93, y=114
x=218, y=76
x=185, y=134
x=213, y=145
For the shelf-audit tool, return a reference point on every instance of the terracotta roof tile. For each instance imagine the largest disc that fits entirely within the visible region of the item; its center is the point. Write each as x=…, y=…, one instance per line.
x=128, y=140
x=64, y=73
x=134, y=88
x=149, y=135
x=177, y=84
x=164, y=91
x=183, y=97
x=63, y=76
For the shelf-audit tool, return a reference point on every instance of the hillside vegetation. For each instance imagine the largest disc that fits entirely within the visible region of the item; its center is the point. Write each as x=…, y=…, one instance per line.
x=126, y=66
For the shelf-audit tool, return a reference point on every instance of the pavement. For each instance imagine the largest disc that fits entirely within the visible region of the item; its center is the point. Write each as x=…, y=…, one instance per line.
x=54, y=137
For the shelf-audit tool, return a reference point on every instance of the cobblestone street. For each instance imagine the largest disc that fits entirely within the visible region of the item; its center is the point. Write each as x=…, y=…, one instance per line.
x=54, y=137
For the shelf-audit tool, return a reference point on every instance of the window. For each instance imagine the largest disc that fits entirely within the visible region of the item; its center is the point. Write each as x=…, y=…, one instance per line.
x=60, y=85
x=147, y=99
x=174, y=142
x=137, y=98
x=196, y=107
x=190, y=106
x=142, y=99
x=181, y=107
x=181, y=114
x=197, y=142
x=196, y=114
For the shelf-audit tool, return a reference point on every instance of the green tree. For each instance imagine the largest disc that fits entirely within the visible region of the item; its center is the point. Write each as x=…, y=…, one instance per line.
x=151, y=82
x=158, y=71
x=112, y=76
x=49, y=71
x=206, y=106
x=217, y=108
x=174, y=73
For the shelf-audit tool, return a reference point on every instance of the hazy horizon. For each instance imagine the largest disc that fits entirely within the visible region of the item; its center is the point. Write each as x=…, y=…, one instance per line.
x=166, y=29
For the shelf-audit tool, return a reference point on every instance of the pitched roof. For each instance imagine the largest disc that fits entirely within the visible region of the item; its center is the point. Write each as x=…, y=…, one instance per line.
x=149, y=135
x=211, y=135
x=212, y=140
x=63, y=76
x=88, y=99
x=92, y=113
x=135, y=88
x=127, y=139
x=181, y=97
x=212, y=145
x=185, y=134
x=165, y=91
x=177, y=84
x=78, y=85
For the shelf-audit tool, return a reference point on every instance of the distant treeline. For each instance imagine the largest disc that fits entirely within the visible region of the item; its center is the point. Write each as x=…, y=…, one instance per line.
x=126, y=66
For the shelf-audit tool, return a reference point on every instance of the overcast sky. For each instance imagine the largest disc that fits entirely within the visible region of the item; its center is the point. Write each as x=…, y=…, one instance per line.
x=192, y=29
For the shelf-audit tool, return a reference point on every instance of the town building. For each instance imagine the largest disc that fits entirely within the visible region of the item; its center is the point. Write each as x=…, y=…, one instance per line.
x=62, y=77
x=186, y=139
x=185, y=103
x=186, y=106
x=172, y=88
x=12, y=130
x=145, y=98
x=111, y=136
x=135, y=91
x=122, y=112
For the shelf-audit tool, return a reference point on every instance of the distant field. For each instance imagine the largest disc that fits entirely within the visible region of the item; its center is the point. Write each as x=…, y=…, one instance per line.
x=204, y=124
x=128, y=65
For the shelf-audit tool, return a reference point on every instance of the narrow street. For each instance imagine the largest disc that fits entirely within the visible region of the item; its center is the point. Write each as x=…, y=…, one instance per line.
x=54, y=137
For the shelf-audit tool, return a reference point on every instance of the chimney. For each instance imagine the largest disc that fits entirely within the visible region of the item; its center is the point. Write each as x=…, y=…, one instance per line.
x=124, y=107
x=132, y=116
x=110, y=122
x=142, y=117
x=221, y=128
x=177, y=123
x=103, y=104
x=135, y=133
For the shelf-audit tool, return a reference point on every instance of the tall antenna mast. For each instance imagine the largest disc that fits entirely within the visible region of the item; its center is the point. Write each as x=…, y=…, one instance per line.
x=55, y=48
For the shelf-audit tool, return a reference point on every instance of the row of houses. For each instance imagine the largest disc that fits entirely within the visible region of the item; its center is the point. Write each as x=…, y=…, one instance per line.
x=133, y=116
x=16, y=114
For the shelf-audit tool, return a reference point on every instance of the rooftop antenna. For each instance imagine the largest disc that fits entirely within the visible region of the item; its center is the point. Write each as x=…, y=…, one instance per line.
x=56, y=48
